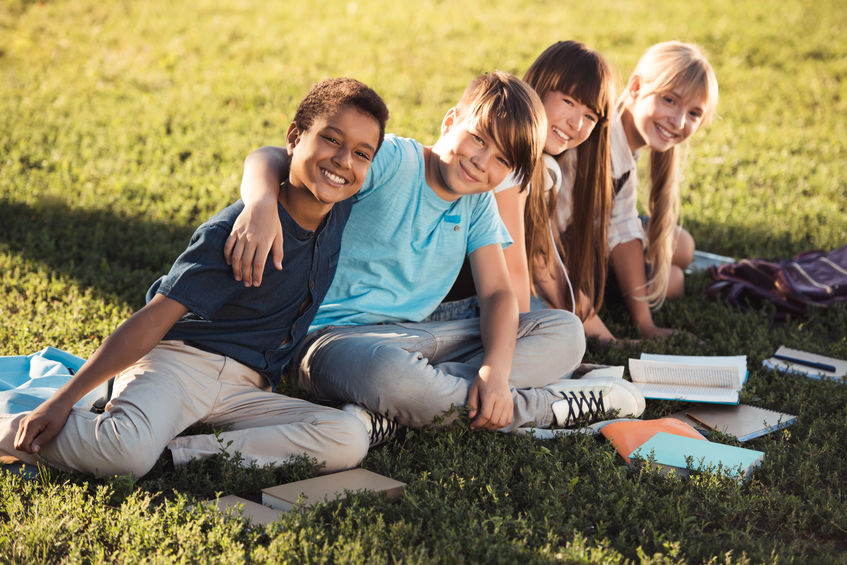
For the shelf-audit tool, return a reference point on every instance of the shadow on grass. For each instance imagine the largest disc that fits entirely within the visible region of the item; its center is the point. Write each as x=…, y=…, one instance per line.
x=775, y=242
x=118, y=255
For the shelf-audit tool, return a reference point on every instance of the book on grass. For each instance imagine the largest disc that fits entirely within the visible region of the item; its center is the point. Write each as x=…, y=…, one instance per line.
x=329, y=487
x=247, y=509
x=627, y=435
x=671, y=451
x=809, y=364
x=694, y=378
x=703, y=260
x=742, y=421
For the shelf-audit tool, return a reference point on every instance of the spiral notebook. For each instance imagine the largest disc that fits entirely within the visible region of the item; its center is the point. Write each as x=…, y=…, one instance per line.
x=742, y=421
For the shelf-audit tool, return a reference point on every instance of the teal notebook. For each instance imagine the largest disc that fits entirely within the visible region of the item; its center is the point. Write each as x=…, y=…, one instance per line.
x=670, y=451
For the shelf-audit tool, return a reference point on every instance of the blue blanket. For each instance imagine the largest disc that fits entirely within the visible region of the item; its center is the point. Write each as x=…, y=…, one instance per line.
x=28, y=380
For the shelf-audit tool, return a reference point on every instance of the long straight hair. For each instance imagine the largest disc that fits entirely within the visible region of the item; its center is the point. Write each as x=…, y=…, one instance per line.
x=572, y=68
x=665, y=67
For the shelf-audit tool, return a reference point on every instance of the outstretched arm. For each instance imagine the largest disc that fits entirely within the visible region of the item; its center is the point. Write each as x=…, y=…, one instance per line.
x=627, y=260
x=489, y=396
x=132, y=340
x=257, y=231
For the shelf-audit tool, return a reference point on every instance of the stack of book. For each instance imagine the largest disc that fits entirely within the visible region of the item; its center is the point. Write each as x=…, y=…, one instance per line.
x=669, y=443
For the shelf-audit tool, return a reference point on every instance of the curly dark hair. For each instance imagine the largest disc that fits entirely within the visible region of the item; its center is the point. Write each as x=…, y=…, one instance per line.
x=330, y=95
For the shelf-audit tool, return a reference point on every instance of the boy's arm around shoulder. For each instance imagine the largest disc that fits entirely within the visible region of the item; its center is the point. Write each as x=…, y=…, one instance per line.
x=131, y=341
x=489, y=395
x=257, y=231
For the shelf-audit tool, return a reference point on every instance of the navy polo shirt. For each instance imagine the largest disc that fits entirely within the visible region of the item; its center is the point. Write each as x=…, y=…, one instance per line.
x=258, y=326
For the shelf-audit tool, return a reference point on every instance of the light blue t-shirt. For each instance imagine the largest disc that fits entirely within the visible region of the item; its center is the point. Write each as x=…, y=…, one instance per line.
x=403, y=245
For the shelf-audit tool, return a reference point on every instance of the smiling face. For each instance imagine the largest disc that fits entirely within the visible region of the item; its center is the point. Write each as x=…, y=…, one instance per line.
x=466, y=159
x=330, y=160
x=662, y=120
x=570, y=122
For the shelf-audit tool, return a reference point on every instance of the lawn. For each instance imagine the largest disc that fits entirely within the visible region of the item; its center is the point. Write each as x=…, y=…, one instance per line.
x=123, y=125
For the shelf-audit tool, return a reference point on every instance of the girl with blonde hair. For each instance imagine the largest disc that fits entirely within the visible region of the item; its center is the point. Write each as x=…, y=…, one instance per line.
x=671, y=93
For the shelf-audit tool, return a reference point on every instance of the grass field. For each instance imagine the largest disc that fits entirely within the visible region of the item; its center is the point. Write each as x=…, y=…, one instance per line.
x=123, y=125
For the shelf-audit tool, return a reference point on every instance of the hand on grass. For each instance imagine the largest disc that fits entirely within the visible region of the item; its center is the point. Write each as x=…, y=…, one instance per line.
x=661, y=334
x=42, y=425
x=490, y=401
x=256, y=233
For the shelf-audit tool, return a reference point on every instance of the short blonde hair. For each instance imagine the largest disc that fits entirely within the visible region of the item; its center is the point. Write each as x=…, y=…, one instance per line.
x=510, y=112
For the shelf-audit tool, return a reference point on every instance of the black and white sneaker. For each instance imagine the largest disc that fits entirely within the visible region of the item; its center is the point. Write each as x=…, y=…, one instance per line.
x=380, y=429
x=588, y=399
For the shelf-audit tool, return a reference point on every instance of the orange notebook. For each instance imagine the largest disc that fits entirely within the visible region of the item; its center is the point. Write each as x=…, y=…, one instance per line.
x=628, y=436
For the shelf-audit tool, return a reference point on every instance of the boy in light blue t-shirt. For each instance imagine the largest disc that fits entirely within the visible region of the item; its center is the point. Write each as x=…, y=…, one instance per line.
x=419, y=213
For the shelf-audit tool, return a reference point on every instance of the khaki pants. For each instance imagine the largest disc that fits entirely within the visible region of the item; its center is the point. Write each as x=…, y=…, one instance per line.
x=175, y=386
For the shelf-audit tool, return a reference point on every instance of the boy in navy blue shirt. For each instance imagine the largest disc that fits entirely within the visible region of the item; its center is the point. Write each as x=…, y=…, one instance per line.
x=206, y=348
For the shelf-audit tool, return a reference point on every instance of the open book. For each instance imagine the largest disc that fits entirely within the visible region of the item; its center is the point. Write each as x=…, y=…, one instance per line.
x=716, y=379
x=808, y=364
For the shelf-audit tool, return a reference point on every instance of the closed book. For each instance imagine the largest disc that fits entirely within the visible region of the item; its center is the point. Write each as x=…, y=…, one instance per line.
x=670, y=451
x=692, y=378
x=247, y=509
x=627, y=435
x=807, y=364
x=742, y=421
x=329, y=487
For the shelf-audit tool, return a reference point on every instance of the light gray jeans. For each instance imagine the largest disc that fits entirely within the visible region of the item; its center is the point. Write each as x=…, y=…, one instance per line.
x=415, y=372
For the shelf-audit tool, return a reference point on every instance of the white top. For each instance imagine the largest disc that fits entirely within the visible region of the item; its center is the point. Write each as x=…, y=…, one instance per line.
x=624, y=224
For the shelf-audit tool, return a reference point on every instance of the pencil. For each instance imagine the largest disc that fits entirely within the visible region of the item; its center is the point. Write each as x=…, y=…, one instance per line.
x=805, y=362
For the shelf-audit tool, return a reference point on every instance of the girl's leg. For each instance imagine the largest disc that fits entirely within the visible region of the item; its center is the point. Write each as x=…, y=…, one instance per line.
x=683, y=249
x=683, y=254
x=271, y=429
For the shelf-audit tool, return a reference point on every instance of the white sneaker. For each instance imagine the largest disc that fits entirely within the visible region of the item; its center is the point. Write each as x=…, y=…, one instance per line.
x=380, y=429
x=589, y=430
x=589, y=398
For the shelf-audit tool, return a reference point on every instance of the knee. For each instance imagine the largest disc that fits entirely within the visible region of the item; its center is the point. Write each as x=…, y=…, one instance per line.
x=349, y=445
x=683, y=252
x=124, y=450
x=563, y=329
x=676, y=284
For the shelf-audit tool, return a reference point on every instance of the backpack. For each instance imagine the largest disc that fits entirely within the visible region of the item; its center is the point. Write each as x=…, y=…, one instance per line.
x=812, y=278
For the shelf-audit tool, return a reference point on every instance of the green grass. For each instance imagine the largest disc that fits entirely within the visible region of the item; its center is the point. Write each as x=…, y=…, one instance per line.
x=123, y=125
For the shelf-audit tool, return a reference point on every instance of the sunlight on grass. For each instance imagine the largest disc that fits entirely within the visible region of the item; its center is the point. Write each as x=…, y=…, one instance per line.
x=123, y=125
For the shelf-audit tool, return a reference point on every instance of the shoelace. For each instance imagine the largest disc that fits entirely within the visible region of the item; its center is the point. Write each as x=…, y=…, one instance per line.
x=586, y=406
x=382, y=429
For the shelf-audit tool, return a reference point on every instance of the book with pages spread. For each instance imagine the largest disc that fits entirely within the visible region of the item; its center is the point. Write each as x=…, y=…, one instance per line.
x=716, y=379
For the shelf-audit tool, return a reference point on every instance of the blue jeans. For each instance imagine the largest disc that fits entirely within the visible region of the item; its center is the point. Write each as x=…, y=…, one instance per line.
x=414, y=372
